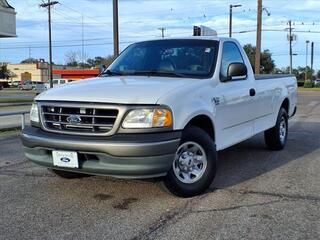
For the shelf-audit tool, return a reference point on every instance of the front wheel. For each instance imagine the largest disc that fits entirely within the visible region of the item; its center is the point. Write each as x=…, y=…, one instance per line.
x=276, y=137
x=194, y=166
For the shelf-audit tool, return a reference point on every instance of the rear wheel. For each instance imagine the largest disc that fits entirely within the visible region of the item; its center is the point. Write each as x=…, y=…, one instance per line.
x=276, y=137
x=194, y=166
x=68, y=175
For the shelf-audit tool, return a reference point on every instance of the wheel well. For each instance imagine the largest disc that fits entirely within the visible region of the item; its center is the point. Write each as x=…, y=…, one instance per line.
x=285, y=105
x=205, y=123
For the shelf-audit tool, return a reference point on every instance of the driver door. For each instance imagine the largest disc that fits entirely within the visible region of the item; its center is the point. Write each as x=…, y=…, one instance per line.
x=235, y=113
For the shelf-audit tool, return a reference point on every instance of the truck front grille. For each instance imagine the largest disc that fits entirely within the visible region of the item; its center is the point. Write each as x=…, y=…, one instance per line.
x=87, y=120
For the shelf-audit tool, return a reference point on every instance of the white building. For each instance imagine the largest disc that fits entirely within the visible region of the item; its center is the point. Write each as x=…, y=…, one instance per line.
x=7, y=20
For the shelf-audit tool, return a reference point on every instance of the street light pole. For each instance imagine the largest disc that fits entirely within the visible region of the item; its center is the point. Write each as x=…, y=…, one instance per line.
x=307, y=49
x=49, y=5
x=230, y=17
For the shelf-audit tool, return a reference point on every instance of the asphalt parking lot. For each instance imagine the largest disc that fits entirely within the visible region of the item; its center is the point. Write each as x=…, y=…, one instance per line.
x=257, y=194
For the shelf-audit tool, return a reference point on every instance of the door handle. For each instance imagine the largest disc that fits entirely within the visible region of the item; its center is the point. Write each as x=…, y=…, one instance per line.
x=252, y=92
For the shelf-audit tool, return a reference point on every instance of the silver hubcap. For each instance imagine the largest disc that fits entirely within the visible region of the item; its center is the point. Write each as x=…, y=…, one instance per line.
x=190, y=162
x=283, y=130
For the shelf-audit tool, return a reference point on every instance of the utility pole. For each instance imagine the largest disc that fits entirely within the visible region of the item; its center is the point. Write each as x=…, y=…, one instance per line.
x=162, y=31
x=82, y=27
x=307, y=49
x=115, y=28
x=49, y=5
x=258, y=45
x=290, y=44
x=312, y=56
x=230, y=17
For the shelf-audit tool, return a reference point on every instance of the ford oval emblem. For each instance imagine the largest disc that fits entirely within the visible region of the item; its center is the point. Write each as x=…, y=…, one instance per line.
x=65, y=160
x=74, y=119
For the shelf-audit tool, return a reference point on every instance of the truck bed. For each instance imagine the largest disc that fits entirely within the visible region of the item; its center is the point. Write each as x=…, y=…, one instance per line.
x=272, y=76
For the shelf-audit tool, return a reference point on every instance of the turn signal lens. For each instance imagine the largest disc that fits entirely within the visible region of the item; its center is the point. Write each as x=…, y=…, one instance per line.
x=162, y=118
x=34, y=113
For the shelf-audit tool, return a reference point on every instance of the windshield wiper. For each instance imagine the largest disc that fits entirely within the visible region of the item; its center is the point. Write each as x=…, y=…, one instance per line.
x=110, y=73
x=156, y=72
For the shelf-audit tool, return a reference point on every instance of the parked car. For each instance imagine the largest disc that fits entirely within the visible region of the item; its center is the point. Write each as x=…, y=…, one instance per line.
x=317, y=82
x=58, y=82
x=14, y=84
x=4, y=84
x=164, y=108
x=25, y=85
x=39, y=87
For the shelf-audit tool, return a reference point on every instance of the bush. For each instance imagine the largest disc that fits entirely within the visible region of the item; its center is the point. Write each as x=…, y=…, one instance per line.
x=317, y=85
x=300, y=83
x=308, y=84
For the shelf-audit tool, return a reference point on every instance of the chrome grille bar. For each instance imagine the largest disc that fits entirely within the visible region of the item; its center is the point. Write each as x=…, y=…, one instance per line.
x=78, y=118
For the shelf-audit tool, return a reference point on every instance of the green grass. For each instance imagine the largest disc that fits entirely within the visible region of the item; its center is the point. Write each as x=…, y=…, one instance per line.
x=302, y=89
x=16, y=100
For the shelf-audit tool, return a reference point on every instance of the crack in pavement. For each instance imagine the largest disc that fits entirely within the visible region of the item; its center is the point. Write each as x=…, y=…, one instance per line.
x=280, y=195
x=237, y=207
x=177, y=214
x=173, y=215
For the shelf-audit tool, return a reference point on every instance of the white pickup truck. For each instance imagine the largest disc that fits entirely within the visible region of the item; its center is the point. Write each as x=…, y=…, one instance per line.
x=162, y=109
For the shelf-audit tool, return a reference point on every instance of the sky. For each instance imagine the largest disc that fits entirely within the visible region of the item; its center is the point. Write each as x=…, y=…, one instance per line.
x=141, y=20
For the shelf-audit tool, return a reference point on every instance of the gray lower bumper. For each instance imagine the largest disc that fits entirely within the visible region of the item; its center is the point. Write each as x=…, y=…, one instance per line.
x=131, y=155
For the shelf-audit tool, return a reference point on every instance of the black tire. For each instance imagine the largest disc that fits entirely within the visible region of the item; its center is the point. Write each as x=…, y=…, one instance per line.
x=174, y=184
x=274, y=138
x=68, y=175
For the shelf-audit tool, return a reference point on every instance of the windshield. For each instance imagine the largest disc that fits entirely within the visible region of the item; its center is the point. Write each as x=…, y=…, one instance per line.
x=179, y=58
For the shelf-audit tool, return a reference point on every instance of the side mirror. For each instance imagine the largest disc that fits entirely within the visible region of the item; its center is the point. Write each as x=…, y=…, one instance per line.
x=237, y=71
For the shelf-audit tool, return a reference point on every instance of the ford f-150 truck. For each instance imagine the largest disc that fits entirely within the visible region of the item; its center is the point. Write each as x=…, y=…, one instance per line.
x=162, y=109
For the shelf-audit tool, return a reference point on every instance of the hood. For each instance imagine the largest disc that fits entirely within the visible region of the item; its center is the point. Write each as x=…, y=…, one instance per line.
x=121, y=90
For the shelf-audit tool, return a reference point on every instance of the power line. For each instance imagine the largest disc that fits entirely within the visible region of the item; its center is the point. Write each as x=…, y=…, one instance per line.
x=67, y=45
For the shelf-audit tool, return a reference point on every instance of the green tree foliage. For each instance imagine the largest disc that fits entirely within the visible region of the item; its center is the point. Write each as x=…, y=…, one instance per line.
x=97, y=61
x=300, y=73
x=73, y=59
x=29, y=60
x=267, y=63
x=4, y=72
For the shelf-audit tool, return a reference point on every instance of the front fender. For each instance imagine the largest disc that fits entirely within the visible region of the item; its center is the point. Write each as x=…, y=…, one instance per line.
x=185, y=113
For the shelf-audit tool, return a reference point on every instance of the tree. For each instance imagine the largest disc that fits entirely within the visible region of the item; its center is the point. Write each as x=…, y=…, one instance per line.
x=29, y=60
x=267, y=63
x=72, y=59
x=4, y=72
x=98, y=61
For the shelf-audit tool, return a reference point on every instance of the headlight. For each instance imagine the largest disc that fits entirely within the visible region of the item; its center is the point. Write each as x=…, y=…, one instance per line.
x=148, y=118
x=34, y=113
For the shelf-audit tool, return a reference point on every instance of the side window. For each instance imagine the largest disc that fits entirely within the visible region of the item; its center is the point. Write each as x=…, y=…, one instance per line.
x=230, y=54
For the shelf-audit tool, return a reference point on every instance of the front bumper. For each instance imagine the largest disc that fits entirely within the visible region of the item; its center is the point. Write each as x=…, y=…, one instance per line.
x=122, y=155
